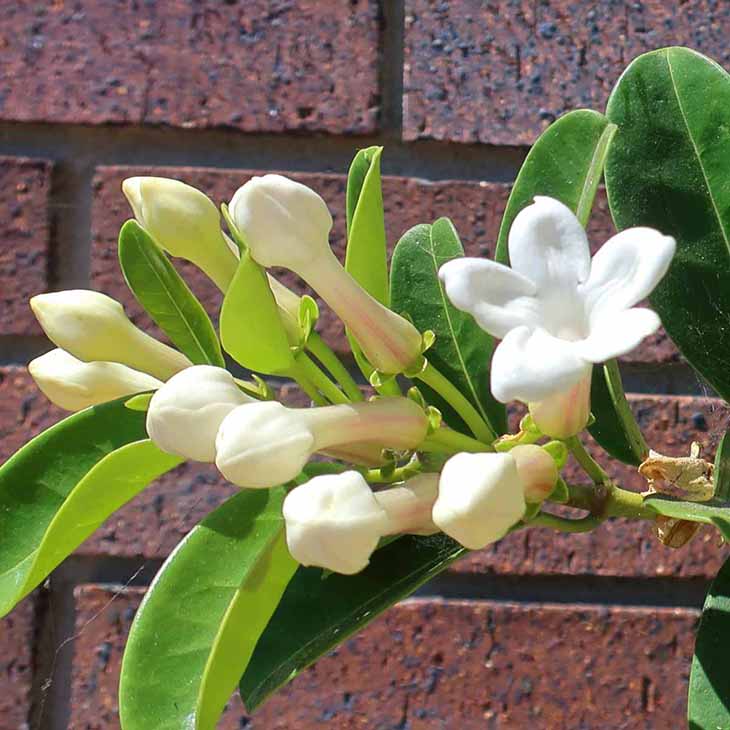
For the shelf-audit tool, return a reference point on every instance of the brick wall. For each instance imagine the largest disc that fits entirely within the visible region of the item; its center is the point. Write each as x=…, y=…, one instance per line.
x=587, y=631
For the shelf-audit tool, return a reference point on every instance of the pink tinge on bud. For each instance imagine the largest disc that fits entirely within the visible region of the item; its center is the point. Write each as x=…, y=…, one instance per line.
x=564, y=414
x=537, y=471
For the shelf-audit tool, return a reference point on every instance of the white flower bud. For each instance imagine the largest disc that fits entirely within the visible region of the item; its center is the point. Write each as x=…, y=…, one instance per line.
x=480, y=498
x=566, y=413
x=537, y=470
x=266, y=444
x=334, y=522
x=183, y=221
x=409, y=505
x=94, y=328
x=185, y=414
x=74, y=385
x=287, y=224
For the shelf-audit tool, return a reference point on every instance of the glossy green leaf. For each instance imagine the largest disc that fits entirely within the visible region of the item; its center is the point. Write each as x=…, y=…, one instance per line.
x=166, y=297
x=316, y=613
x=721, y=475
x=251, y=329
x=366, y=258
x=110, y=484
x=709, y=684
x=707, y=512
x=668, y=169
x=462, y=349
x=36, y=481
x=199, y=623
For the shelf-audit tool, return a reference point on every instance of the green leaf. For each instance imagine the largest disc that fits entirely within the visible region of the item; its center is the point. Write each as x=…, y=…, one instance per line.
x=462, y=349
x=110, y=484
x=721, y=474
x=366, y=258
x=164, y=294
x=199, y=623
x=709, y=683
x=706, y=512
x=668, y=169
x=36, y=480
x=316, y=614
x=251, y=328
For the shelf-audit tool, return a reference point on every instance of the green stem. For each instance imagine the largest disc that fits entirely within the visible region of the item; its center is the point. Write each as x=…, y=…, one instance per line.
x=590, y=466
x=434, y=379
x=449, y=441
x=610, y=501
x=298, y=374
x=616, y=391
x=584, y=524
x=319, y=348
x=315, y=376
x=399, y=474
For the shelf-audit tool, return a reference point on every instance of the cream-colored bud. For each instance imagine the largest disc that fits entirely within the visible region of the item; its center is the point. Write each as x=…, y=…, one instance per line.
x=74, y=385
x=287, y=224
x=185, y=414
x=334, y=522
x=537, y=470
x=94, y=328
x=267, y=444
x=409, y=505
x=480, y=498
x=564, y=414
x=185, y=222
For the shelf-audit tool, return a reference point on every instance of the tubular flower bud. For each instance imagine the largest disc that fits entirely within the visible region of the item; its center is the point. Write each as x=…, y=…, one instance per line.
x=287, y=224
x=185, y=414
x=266, y=444
x=93, y=327
x=566, y=413
x=184, y=222
x=480, y=498
x=335, y=521
x=74, y=385
x=537, y=471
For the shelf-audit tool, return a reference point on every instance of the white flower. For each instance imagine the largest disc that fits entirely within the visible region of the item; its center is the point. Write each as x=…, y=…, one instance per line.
x=335, y=521
x=185, y=222
x=285, y=223
x=185, y=414
x=480, y=498
x=74, y=385
x=556, y=311
x=266, y=444
x=537, y=471
x=94, y=328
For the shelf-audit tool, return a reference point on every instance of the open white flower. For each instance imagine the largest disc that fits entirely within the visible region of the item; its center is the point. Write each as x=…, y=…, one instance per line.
x=556, y=311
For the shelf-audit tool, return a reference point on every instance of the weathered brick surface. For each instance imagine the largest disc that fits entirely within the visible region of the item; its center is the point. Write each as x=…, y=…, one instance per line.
x=152, y=524
x=258, y=65
x=16, y=643
x=24, y=240
x=430, y=665
x=475, y=207
x=500, y=72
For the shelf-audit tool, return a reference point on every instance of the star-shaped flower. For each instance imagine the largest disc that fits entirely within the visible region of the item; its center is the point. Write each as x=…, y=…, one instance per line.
x=557, y=311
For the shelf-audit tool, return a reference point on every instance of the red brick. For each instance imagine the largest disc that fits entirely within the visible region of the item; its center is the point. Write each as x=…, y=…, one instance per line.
x=428, y=664
x=259, y=65
x=476, y=208
x=16, y=642
x=500, y=72
x=24, y=240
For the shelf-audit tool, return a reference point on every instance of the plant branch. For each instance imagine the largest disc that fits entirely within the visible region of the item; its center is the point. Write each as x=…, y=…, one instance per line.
x=319, y=348
x=590, y=466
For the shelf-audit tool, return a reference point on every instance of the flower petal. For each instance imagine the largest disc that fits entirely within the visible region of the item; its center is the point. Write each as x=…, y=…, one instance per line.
x=533, y=365
x=617, y=333
x=548, y=245
x=497, y=297
x=626, y=269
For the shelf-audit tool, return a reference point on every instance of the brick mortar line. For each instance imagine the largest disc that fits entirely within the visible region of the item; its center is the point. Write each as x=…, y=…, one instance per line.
x=230, y=149
x=392, y=50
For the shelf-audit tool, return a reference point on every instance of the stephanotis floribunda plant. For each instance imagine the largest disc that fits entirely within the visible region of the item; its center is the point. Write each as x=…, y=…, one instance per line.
x=404, y=460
